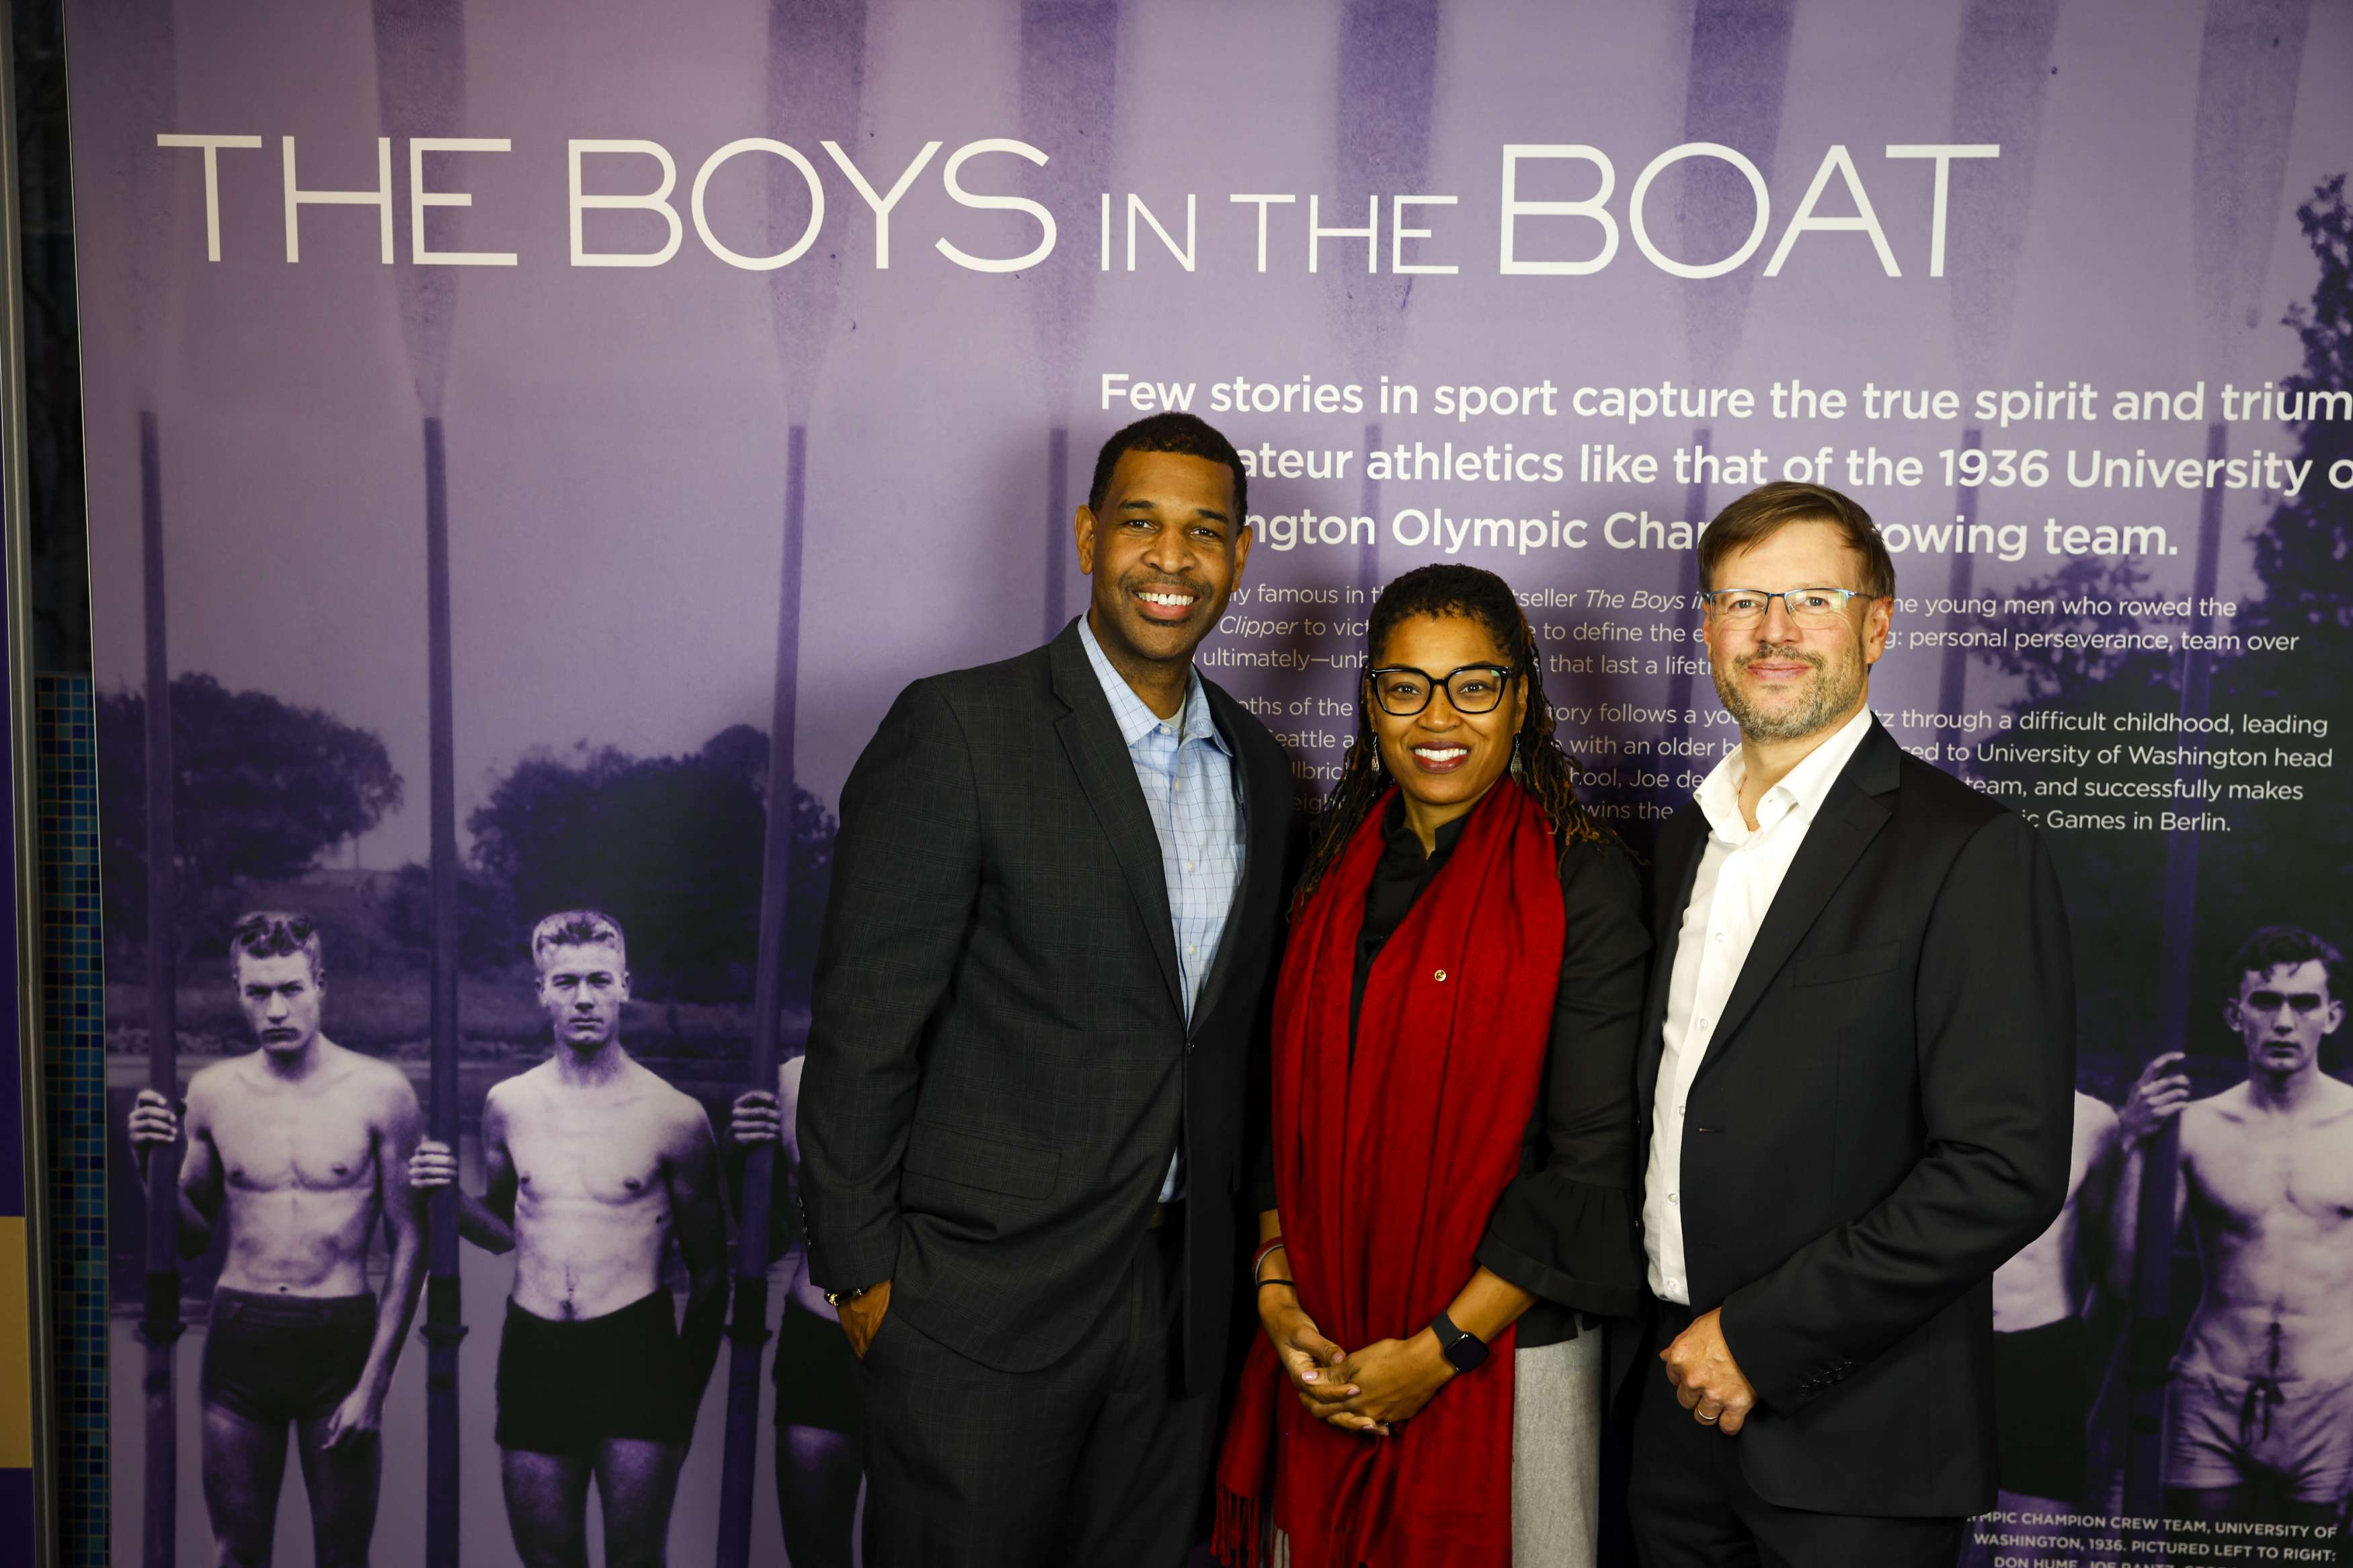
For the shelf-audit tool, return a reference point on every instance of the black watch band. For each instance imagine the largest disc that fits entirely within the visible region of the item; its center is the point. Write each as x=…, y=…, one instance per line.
x=1464, y=1350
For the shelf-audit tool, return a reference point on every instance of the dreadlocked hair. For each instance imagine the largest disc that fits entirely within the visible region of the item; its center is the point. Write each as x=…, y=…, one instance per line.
x=1545, y=770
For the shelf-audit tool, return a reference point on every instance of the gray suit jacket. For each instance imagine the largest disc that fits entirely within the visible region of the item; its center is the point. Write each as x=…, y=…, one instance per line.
x=998, y=1061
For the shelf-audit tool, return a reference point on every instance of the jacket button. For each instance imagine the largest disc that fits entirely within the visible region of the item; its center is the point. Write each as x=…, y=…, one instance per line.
x=1440, y=974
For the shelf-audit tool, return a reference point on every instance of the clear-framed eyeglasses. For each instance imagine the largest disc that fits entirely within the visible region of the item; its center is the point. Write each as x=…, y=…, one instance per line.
x=1806, y=606
x=1403, y=692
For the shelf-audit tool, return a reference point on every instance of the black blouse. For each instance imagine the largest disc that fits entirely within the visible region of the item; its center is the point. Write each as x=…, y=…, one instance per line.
x=1564, y=1229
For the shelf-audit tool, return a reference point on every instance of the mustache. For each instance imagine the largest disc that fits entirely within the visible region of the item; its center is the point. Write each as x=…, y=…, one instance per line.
x=1788, y=651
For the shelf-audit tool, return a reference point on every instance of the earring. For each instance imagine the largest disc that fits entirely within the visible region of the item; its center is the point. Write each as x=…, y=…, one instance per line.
x=1515, y=756
x=1375, y=746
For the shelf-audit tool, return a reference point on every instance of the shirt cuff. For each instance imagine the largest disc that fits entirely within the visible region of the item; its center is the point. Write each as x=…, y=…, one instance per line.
x=1568, y=1242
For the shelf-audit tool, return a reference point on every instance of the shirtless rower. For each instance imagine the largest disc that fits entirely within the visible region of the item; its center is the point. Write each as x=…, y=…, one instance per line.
x=820, y=1414
x=301, y=1147
x=594, y=1165
x=2259, y=1413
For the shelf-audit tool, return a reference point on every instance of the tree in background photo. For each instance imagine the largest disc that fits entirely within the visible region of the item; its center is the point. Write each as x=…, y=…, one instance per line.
x=265, y=791
x=670, y=846
x=269, y=794
x=2280, y=860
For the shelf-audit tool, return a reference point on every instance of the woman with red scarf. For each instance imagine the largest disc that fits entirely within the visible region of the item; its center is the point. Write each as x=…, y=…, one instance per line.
x=1449, y=1204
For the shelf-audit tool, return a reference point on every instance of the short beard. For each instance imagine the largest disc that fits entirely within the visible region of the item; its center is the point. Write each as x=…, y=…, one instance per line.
x=1836, y=687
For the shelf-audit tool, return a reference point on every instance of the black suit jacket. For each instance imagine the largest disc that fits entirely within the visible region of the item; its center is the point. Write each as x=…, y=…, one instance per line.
x=999, y=1062
x=1882, y=1117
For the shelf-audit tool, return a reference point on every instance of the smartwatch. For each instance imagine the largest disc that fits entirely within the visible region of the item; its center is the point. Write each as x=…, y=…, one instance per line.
x=1464, y=1350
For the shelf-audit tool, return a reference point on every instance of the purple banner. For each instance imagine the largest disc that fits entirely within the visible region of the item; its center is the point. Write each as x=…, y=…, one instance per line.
x=540, y=346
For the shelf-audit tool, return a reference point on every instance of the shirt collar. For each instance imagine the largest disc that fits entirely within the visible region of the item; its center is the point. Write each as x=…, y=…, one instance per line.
x=1805, y=785
x=1397, y=833
x=1128, y=711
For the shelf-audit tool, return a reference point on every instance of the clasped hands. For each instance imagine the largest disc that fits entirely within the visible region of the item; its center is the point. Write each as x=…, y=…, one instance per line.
x=1390, y=1380
x=1708, y=1381
x=1369, y=1391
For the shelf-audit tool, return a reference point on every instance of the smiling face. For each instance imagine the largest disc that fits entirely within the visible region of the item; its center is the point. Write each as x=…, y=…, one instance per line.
x=1165, y=552
x=2283, y=1013
x=1780, y=680
x=583, y=988
x=281, y=998
x=1444, y=759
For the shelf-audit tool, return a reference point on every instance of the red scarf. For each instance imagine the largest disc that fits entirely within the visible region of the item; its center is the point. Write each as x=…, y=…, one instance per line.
x=1386, y=1191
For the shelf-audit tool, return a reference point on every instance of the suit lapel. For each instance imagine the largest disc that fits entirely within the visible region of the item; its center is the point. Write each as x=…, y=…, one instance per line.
x=1262, y=827
x=1679, y=847
x=1851, y=815
x=1090, y=737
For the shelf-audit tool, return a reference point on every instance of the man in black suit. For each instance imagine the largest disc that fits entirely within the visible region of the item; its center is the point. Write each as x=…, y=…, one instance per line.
x=1053, y=918
x=1858, y=1085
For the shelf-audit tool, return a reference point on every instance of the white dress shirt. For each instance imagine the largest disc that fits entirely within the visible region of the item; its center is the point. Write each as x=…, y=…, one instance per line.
x=1739, y=872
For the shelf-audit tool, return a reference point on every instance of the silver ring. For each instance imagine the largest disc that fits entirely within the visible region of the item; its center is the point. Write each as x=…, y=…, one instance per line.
x=1709, y=1420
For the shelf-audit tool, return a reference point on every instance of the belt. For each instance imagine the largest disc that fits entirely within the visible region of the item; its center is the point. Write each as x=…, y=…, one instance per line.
x=1165, y=1214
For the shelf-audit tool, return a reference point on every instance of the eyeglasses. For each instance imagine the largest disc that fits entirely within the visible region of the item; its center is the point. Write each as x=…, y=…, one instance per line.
x=2268, y=1003
x=1404, y=691
x=1806, y=606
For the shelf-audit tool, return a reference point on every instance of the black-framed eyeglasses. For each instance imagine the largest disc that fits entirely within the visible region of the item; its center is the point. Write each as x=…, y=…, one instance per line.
x=1806, y=606
x=1404, y=691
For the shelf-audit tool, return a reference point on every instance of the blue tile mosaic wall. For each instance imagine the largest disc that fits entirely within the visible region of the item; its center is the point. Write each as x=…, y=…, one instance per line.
x=74, y=1085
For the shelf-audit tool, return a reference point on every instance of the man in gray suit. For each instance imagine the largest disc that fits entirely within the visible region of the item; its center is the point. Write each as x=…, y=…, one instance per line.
x=1044, y=965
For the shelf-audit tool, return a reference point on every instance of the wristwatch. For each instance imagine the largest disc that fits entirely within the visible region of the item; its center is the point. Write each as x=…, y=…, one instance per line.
x=837, y=1298
x=1464, y=1350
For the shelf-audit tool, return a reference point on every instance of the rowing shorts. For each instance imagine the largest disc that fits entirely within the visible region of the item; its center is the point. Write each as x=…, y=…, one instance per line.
x=274, y=1359
x=564, y=1385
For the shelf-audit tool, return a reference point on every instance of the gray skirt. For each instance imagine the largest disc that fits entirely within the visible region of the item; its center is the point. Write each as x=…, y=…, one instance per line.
x=1555, y=1456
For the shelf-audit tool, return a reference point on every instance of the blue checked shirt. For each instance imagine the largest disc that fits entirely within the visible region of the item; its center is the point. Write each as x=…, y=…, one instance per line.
x=1188, y=774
